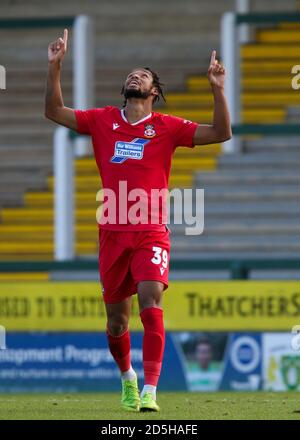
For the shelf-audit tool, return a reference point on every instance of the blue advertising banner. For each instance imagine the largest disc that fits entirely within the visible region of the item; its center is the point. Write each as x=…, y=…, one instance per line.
x=215, y=361
x=193, y=361
x=243, y=363
x=71, y=362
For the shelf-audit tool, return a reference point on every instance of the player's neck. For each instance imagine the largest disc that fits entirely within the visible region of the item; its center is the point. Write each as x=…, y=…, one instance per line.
x=137, y=109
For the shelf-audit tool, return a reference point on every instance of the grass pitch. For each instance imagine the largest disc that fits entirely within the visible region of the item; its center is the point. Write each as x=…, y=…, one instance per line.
x=193, y=406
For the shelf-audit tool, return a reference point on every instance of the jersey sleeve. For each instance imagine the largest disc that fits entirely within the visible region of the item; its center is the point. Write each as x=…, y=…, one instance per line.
x=86, y=119
x=181, y=130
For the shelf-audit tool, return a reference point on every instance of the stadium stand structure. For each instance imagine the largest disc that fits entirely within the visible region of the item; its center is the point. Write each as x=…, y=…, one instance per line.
x=251, y=199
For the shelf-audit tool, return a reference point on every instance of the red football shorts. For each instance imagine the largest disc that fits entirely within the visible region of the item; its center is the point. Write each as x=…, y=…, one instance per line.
x=127, y=258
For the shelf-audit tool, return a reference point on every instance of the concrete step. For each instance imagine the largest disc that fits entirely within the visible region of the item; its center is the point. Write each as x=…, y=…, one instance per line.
x=181, y=30
x=272, y=144
x=34, y=101
x=197, y=243
x=248, y=193
x=26, y=164
x=26, y=153
x=240, y=178
x=236, y=244
x=110, y=79
x=244, y=227
x=220, y=254
x=223, y=229
x=35, y=120
x=113, y=70
x=215, y=194
x=43, y=232
x=24, y=135
x=132, y=8
x=255, y=206
x=33, y=179
x=218, y=211
x=243, y=210
x=259, y=160
x=11, y=199
x=35, y=71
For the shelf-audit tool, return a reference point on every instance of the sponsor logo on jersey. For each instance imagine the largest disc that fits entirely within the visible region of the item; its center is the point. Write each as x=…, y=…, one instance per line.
x=149, y=131
x=129, y=150
x=115, y=126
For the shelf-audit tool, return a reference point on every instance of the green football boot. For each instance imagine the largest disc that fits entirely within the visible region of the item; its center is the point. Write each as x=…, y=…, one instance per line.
x=148, y=403
x=130, y=395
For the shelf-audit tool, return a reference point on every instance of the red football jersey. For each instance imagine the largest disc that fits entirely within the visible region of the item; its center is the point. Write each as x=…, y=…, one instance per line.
x=134, y=161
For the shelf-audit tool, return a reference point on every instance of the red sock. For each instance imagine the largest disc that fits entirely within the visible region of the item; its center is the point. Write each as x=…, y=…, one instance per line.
x=153, y=343
x=120, y=349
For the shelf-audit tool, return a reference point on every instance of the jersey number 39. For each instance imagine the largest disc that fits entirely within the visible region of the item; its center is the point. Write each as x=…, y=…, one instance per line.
x=160, y=256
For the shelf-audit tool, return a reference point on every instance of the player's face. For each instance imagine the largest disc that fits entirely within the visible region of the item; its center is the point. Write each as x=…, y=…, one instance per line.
x=204, y=355
x=139, y=84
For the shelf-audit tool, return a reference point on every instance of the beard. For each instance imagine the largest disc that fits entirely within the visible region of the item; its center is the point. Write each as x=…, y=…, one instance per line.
x=136, y=93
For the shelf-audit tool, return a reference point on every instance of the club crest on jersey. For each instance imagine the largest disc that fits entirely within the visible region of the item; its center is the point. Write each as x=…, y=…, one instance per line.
x=129, y=150
x=149, y=131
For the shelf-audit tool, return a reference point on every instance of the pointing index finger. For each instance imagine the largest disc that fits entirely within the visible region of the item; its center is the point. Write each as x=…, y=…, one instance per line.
x=65, y=38
x=213, y=57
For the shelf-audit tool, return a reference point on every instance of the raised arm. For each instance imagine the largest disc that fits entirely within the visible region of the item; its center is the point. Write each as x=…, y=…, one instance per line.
x=220, y=130
x=54, y=105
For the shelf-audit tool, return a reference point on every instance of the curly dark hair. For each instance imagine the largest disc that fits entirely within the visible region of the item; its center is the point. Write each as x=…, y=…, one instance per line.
x=156, y=83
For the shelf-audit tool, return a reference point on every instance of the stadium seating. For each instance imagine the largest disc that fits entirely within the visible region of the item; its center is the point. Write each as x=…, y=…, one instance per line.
x=249, y=198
